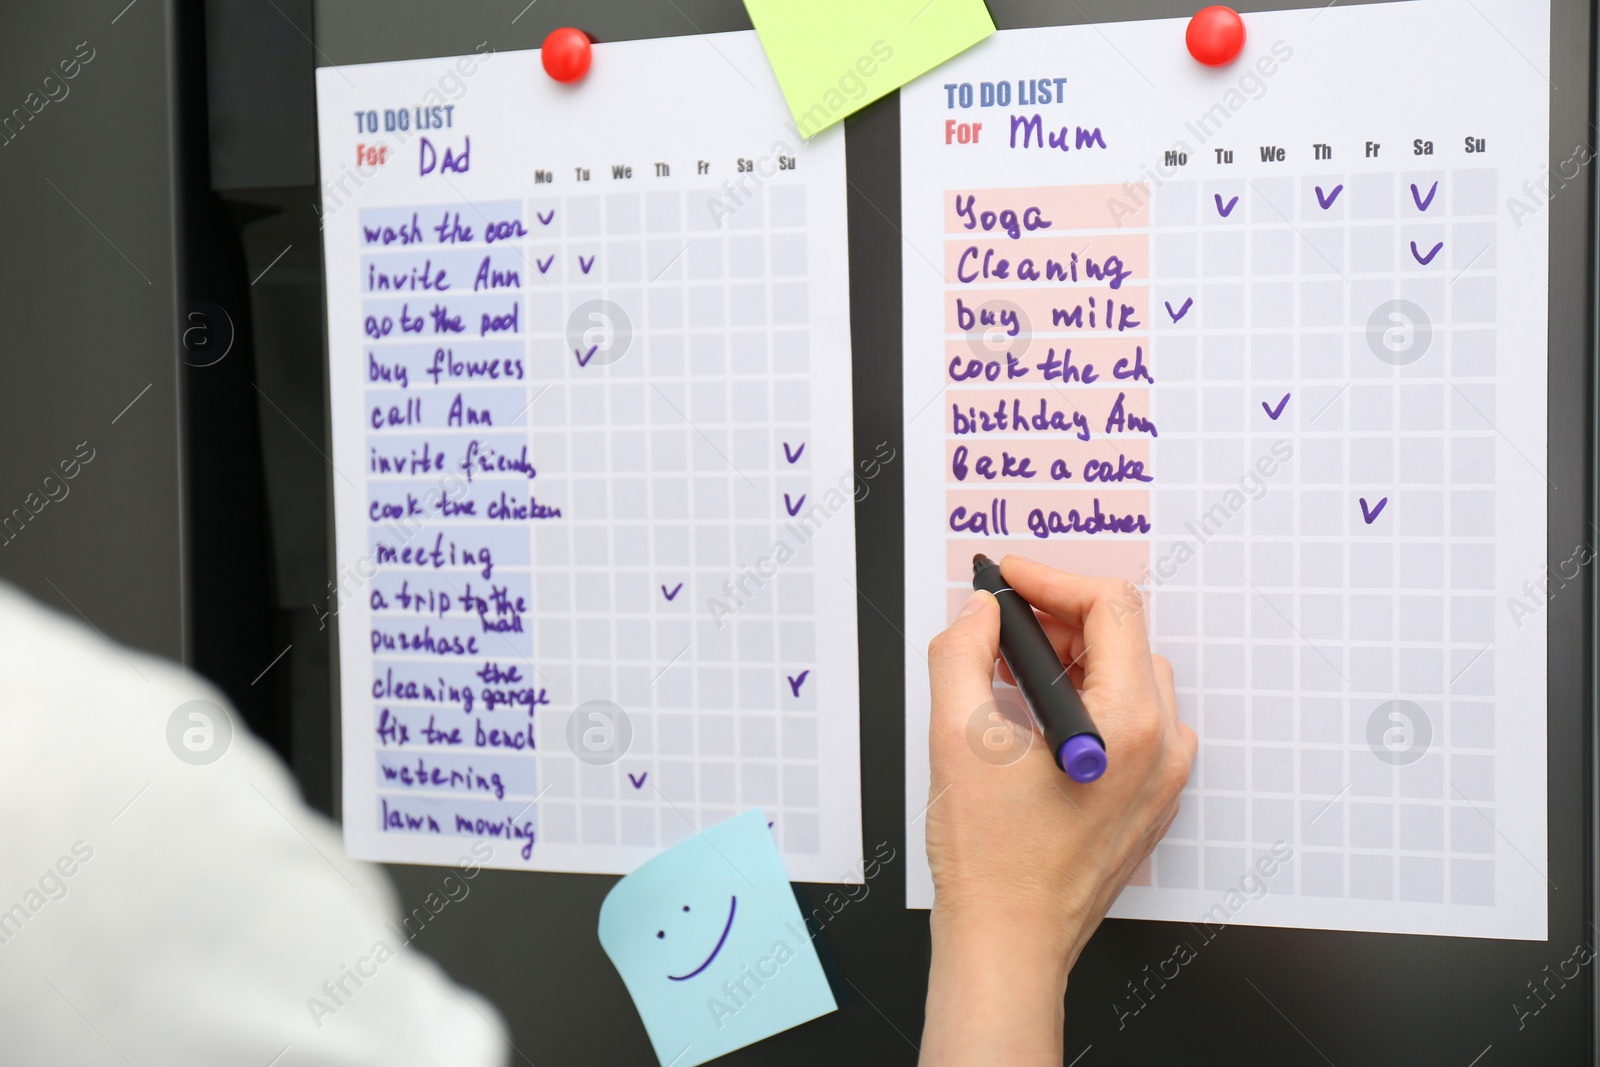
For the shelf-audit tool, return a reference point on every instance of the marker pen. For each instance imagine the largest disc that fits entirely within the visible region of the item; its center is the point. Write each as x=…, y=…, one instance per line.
x=1069, y=731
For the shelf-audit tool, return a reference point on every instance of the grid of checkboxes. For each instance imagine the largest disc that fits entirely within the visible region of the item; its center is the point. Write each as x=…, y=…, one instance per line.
x=673, y=461
x=1296, y=620
x=672, y=466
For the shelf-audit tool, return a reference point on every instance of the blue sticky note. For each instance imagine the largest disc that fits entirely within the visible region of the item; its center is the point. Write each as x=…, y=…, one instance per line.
x=710, y=943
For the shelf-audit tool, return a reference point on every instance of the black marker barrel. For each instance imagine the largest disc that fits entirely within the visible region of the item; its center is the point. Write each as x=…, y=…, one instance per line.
x=1076, y=745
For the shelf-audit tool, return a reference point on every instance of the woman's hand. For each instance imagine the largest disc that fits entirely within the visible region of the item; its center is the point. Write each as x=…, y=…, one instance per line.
x=1025, y=860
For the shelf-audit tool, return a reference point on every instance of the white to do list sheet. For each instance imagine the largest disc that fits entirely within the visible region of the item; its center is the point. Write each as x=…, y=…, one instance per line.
x=1268, y=341
x=590, y=380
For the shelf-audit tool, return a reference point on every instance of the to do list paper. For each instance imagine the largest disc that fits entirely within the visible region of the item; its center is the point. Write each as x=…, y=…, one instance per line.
x=1268, y=341
x=590, y=382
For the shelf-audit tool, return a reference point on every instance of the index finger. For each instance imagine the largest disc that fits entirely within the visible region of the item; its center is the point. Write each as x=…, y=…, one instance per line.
x=1109, y=612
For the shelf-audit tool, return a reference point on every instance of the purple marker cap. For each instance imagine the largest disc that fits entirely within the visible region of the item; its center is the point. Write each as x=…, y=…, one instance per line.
x=1083, y=758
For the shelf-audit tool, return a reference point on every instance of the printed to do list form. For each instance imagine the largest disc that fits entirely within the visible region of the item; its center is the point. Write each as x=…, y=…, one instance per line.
x=590, y=381
x=1269, y=342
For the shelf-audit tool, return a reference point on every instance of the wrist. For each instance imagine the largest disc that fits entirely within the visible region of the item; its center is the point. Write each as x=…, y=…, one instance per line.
x=1045, y=927
x=997, y=986
x=1009, y=942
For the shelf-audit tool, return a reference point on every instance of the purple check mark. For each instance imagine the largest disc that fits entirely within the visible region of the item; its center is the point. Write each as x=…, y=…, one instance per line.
x=1425, y=259
x=547, y=217
x=1371, y=514
x=794, y=455
x=1225, y=210
x=796, y=682
x=1274, y=412
x=585, y=357
x=1421, y=201
x=1327, y=201
x=794, y=506
x=638, y=783
x=675, y=591
x=544, y=264
x=586, y=264
x=1182, y=311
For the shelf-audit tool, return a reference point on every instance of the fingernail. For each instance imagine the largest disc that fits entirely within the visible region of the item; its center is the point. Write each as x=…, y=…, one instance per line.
x=974, y=602
x=1013, y=555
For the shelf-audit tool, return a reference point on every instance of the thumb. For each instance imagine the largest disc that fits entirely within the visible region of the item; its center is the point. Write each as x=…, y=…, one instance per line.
x=961, y=661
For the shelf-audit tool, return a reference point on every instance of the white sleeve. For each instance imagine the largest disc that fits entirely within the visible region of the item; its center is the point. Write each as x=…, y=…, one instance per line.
x=154, y=910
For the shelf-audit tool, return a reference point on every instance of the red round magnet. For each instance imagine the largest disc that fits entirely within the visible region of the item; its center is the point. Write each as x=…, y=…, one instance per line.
x=1215, y=35
x=566, y=54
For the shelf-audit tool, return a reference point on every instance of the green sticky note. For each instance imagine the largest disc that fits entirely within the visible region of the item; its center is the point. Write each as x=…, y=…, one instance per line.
x=834, y=57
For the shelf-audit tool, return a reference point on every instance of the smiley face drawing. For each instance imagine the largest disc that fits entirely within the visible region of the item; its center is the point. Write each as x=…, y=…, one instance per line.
x=711, y=944
x=733, y=907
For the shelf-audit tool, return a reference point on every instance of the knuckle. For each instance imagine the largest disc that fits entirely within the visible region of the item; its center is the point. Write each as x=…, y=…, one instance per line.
x=1190, y=741
x=1120, y=591
x=1105, y=588
x=1123, y=600
x=1178, y=775
x=1171, y=776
